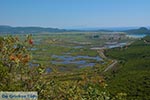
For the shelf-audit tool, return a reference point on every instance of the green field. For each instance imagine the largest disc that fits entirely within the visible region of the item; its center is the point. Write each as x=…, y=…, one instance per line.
x=69, y=44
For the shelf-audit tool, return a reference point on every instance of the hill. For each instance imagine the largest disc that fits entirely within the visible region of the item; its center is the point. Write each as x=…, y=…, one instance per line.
x=131, y=75
x=141, y=30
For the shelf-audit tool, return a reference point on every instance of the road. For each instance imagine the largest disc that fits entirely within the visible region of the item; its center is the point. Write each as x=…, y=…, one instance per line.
x=114, y=62
x=111, y=65
x=101, y=53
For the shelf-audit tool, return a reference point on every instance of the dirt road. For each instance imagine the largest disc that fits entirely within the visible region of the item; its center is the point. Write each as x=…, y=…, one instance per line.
x=111, y=65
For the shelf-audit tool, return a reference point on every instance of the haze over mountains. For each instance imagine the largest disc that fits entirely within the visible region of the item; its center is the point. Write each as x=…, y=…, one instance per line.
x=130, y=30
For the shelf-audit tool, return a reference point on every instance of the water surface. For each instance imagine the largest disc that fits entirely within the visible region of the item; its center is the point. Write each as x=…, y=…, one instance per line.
x=136, y=35
x=80, y=61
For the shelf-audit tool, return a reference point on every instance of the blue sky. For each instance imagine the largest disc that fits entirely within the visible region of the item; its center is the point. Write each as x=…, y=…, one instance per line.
x=75, y=13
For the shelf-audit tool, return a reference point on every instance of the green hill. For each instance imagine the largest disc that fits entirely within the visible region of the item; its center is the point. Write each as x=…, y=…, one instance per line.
x=132, y=74
x=141, y=30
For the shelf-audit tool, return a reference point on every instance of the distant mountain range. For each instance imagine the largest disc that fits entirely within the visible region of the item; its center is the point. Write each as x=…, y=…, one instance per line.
x=102, y=28
x=8, y=29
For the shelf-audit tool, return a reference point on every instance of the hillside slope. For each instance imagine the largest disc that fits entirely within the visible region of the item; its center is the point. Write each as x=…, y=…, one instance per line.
x=132, y=74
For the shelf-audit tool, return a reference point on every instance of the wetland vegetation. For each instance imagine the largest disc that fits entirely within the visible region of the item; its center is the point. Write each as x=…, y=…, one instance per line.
x=72, y=65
